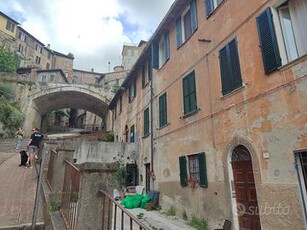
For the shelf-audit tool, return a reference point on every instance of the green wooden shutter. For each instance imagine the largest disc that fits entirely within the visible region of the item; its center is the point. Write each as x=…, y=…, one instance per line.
x=178, y=32
x=149, y=70
x=268, y=42
x=193, y=15
x=209, y=7
x=186, y=101
x=183, y=171
x=225, y=78
x=192, y=92
x=235, y=65
x=203, y=179
x=134, y=88
x=155, y=55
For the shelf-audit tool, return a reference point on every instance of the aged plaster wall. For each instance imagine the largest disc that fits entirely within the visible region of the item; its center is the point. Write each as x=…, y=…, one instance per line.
x=106, y=152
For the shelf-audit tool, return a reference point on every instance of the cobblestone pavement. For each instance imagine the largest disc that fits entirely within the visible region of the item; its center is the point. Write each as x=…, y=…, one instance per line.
x=17, y=189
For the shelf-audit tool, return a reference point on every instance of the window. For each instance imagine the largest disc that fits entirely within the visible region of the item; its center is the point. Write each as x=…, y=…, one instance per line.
x=189, y=93
x=47, y=65
x=195, y=171
x=186, y=24
x=230, y=67
x=132, y=134
x=211, y=5
x=282, y=34
x=162, y=110
x=115, y=111
x=160, y=51
x=146, y=73
x=146, y=122
x=22, y=36
x=39, y=48
x=37, y=60
x=20, y=48
x=132, y=90
x=10, y=26
x=121, y=103
x=301, y=166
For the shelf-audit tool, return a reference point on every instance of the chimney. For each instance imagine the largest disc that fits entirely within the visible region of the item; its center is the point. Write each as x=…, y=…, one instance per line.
x=92, y=70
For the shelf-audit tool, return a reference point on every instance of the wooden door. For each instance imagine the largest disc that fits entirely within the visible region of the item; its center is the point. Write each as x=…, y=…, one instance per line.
x=246, y=195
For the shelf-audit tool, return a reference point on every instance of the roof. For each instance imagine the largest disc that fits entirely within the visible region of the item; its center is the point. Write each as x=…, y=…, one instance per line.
x=9, y=18
x=30, y=35
x=62, y=55
x=169, y=18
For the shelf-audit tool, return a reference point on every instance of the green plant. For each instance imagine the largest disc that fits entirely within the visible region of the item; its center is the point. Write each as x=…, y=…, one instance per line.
x=8, y=61
x=108, y=138
x=198, y=223
x=74, y=196
x=171, y=211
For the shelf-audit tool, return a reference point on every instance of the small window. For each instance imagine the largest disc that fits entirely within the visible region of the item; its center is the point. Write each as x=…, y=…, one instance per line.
x=121, y=103
x=132, y=138
x=162, y=110
x=160, y=51
x=189, y=94
x=10, y=26
x=37, y=60
x=211, y=5
x=132, y=90
x=22, y=36
x=195, y=171
x=146, y=122
x=146, y=73
x=186, y=24
x=301, y=167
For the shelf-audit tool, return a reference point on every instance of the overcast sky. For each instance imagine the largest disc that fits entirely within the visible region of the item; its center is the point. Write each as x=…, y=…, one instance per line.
x=93, y=30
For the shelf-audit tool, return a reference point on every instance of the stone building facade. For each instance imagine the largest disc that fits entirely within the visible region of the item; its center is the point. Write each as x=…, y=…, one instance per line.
x=217, y=104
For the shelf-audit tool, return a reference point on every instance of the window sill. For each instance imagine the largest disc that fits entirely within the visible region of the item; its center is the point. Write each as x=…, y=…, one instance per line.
x=163, y=126
x=293, y=62
x=190, y=114
x=145, y=136
x=235, y=91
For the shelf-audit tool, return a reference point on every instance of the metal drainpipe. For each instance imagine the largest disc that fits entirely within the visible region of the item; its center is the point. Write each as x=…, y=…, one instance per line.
x=151, y=129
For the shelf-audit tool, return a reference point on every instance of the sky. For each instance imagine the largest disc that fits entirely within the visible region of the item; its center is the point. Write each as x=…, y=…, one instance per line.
x=93, y=30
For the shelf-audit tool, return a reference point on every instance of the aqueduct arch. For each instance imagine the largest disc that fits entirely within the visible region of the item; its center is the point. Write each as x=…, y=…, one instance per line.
x=49, y=97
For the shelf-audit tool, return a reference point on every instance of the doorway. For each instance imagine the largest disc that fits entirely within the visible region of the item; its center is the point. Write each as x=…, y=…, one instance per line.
x=147, y=178
x=245, y=189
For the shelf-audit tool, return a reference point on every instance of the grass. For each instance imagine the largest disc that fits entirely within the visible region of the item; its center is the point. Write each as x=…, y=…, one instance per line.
x=198, y=223
x=171, y=211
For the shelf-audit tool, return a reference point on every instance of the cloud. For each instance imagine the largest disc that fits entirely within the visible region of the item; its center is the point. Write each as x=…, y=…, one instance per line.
x=93, y=30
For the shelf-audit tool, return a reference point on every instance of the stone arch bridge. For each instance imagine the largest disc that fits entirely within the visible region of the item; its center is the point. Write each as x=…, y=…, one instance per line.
x=39, y=99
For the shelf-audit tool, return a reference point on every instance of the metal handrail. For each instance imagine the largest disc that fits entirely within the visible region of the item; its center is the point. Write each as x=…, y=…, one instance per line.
x=124, y=211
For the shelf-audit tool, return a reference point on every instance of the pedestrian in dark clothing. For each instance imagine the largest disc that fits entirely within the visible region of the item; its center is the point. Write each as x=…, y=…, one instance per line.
x=33, y=145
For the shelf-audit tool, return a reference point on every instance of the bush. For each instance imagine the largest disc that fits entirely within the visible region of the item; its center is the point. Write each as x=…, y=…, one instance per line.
x=198, y=223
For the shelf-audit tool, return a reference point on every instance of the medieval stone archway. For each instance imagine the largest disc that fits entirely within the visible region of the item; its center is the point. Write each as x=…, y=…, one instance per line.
x=51, y=97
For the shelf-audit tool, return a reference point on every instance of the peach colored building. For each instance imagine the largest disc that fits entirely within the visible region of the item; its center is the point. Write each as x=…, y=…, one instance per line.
x=217, y=104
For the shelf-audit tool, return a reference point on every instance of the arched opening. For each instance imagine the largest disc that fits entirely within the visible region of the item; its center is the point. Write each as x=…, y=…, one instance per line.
x=247, y=210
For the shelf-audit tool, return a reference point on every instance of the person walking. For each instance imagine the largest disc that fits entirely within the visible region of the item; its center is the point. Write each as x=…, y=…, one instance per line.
x=18, y=138
x=33, y=145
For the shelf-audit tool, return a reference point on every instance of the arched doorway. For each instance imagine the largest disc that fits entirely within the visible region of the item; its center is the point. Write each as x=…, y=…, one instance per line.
x=245, y=189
